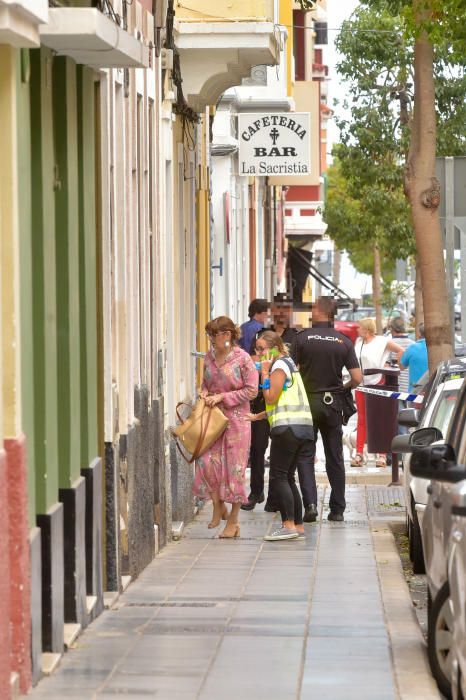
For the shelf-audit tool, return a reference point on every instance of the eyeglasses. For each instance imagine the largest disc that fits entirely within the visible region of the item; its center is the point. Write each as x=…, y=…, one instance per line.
x=214, y=335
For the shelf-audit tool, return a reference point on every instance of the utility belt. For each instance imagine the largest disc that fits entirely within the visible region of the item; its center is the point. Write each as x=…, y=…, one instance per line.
x=327, y=397
x=341, y=402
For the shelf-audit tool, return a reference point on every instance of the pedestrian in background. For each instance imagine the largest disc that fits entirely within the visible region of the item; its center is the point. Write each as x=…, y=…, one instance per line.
x=291, y=431
x=230, y=381
x=415, y=358
x=258, y=312
x=282, y=320
x=372, y=351
x=401, y=338
x=321, y=352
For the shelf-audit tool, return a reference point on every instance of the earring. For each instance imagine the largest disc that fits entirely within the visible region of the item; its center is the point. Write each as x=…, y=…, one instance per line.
x=227, y=343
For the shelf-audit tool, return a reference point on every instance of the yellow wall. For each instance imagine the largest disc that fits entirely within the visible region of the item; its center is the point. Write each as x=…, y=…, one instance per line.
x=224, y=10
x=286, y=18
x=203, y=238
x=8, y=244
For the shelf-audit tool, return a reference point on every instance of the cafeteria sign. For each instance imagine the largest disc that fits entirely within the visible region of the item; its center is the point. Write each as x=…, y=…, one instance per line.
x=274, y=144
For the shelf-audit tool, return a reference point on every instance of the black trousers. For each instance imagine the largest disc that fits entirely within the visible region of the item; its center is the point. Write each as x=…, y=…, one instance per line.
x=287, y=452
x=307, y=480
x=328, y=421
x=260, y=431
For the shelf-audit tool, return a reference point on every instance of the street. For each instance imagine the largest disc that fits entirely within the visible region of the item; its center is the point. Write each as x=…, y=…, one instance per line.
x=328, y=617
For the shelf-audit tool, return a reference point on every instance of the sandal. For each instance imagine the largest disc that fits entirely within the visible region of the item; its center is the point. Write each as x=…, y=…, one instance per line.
x=357, y=461
x=380, y=461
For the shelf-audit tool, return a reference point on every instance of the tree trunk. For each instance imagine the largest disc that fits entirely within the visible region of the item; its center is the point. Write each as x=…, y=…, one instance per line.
x=418, y=303
x=377, y=291
x=424, y=196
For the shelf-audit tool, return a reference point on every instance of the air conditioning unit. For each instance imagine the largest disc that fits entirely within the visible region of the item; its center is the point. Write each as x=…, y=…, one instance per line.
x=167, y=59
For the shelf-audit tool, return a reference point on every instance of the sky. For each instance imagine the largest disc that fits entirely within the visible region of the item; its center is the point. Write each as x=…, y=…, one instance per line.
x=351, y=281
x=337, y=12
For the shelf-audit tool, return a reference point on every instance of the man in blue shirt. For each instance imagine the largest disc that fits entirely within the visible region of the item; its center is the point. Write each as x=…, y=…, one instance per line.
x=415, y=359
x=257, y=312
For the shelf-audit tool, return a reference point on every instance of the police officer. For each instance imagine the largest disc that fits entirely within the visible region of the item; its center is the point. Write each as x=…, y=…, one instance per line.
x=321, y=353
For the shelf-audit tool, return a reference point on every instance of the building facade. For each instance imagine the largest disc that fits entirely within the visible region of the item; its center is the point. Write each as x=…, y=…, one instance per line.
x=106, y=253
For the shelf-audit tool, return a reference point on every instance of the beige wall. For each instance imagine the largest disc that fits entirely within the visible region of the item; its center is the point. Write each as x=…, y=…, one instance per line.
x=9, y=255
x=224, y=10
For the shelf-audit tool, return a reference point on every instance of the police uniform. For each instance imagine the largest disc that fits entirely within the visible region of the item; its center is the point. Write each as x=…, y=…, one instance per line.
x=321, y=353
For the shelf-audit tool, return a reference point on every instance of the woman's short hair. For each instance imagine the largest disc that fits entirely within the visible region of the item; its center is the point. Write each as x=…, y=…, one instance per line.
x=223, y=323
x=273, y=340
x=368, y=324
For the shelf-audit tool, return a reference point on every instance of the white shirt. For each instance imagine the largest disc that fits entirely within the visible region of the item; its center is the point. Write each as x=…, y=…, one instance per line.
x=281, y=364
x=372, y=355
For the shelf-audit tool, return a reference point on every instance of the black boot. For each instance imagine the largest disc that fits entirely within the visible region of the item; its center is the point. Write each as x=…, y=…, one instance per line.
x=310, y=513
x=252, y=501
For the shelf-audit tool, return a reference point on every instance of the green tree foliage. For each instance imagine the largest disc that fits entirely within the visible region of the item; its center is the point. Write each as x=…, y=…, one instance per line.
x=377, y=47
x=365, y=206
x=365, y=185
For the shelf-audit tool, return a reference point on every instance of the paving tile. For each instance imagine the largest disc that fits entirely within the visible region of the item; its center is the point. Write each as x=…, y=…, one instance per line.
x=245, y=666
x=210, y=619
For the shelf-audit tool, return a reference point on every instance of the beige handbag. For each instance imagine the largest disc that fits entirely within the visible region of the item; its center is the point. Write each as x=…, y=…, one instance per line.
x=200, y=430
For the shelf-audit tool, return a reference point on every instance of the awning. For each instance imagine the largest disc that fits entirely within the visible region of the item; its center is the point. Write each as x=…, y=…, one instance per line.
x=301, y=267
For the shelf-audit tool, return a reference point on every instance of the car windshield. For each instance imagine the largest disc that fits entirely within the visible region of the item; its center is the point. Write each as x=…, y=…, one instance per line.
x=349, y=315
x=443, y=412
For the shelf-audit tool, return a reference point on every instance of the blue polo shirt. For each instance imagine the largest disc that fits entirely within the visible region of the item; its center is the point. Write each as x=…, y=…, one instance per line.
x=248, y=333
x=415, y=359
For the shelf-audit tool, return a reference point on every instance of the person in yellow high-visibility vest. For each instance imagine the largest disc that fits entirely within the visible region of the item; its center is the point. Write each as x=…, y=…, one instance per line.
x=291, y=430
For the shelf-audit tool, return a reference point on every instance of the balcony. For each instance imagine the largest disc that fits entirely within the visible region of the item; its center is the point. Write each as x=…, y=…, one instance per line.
x=83, y=32
x=303, y=221
x=220, y=42
x=319, y=71
x=20, y=20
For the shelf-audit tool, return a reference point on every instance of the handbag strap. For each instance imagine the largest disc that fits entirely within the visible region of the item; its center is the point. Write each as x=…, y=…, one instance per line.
x=202, y=434
x=181, y=403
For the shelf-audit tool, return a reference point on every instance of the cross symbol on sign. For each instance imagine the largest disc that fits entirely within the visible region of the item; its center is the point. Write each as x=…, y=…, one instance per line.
x=274, y=134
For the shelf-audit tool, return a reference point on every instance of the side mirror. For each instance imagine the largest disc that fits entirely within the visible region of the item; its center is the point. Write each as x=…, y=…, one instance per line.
x=437, y=462
x=401, y=443
x=409, y=417
x=420, y=438
x=425, y=436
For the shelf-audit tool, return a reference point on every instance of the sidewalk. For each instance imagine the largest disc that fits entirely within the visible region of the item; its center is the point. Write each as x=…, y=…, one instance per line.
x=325, y=618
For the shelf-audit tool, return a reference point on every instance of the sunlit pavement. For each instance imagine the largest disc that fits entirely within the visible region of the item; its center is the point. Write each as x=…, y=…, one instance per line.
x=328, y=617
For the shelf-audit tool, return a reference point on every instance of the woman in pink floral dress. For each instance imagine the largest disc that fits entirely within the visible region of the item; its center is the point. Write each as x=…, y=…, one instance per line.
x=231, y=382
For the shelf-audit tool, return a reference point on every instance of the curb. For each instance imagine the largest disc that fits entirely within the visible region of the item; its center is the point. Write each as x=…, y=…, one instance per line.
x=411, y=669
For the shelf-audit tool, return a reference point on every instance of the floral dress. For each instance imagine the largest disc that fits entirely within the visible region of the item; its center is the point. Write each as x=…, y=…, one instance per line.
x=222, y=468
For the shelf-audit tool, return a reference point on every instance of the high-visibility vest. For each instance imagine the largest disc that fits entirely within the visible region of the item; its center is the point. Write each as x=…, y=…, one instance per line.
x=292, y=407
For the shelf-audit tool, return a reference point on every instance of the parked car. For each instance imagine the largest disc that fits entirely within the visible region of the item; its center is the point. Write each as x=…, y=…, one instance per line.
x=440, y=403
x=436, y=411
x=444, y=541
x=347, y=320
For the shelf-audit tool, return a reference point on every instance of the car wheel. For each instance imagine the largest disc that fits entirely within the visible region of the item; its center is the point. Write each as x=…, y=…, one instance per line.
x=415, y=545
x=461, y=685
x=457, y=680
x=440, y=640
